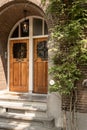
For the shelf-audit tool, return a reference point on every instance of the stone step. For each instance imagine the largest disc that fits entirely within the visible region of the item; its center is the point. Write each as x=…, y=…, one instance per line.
x=12, y=125
x=27, y=118
x=23, y=97
x=27, y=109
x=22, y=126
x=31, y=108
x=23, y=106
x=23, y=103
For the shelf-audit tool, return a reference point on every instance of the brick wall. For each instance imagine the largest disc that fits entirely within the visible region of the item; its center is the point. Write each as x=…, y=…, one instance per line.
x=8, y=10
x=3, y=65
x=81, y=95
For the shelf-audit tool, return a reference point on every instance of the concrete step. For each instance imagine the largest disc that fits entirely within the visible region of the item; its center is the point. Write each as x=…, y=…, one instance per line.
x=23, y=103
x=27, y=118
x=23, y=107
x=22, y=126
x=23, y=97
x=24, y=110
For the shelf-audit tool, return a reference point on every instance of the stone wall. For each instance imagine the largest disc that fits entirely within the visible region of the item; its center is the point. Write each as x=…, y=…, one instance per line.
x=62, y=119
x=81, y=94
x=54, y=108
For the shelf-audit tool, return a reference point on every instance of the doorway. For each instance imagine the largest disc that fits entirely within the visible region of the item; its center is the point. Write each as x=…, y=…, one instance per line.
x=28, y=62
x=40, y=65
x=19, y=65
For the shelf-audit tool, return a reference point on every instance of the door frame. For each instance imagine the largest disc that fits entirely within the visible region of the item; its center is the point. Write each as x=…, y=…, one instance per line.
x=30, y=38
x=20, y=64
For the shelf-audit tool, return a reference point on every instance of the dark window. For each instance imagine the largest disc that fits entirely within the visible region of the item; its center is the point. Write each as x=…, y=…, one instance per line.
x=45, y=28
x=20, y=50
x=42, y=50
x=37, y=26
x=25, y=28
x=15, y=33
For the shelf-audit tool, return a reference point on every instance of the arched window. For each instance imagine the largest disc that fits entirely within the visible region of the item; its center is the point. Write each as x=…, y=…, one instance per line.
x=39, y=27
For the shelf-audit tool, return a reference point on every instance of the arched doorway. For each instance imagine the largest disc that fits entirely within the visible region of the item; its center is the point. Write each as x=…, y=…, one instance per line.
x=28, y=65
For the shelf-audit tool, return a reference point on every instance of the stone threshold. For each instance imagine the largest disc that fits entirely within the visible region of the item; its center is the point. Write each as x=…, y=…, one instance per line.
x=23, y=96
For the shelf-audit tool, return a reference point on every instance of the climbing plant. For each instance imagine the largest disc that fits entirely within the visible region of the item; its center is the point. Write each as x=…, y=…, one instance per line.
x=69, y=19
x=68, y=35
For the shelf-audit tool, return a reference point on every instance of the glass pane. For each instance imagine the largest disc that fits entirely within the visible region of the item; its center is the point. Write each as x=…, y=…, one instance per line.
x=19, y=50
x=25, y=28
x=37, y=26
x=45, y=28
x=42, y=50
x=15, y=33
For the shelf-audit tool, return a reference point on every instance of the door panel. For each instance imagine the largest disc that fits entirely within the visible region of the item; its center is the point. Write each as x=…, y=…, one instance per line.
x=40, y=70
x=16, y=74
x=19, y=65
x=23, y=74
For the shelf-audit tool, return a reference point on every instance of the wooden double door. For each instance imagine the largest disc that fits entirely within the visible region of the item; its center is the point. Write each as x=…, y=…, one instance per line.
x=19, y=66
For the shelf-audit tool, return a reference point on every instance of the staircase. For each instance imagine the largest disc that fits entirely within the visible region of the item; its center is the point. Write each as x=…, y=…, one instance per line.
x=24, y=112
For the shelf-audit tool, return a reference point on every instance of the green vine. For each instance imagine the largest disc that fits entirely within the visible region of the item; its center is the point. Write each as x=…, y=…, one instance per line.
x=70, y=43
x=68, y=37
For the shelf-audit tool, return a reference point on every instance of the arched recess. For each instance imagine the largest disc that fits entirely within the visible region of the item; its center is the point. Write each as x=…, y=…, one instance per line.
x=10, y=13
x=28, y=72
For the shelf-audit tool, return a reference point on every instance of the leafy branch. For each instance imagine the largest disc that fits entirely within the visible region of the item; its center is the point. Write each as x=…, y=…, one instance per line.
x=71, y=44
